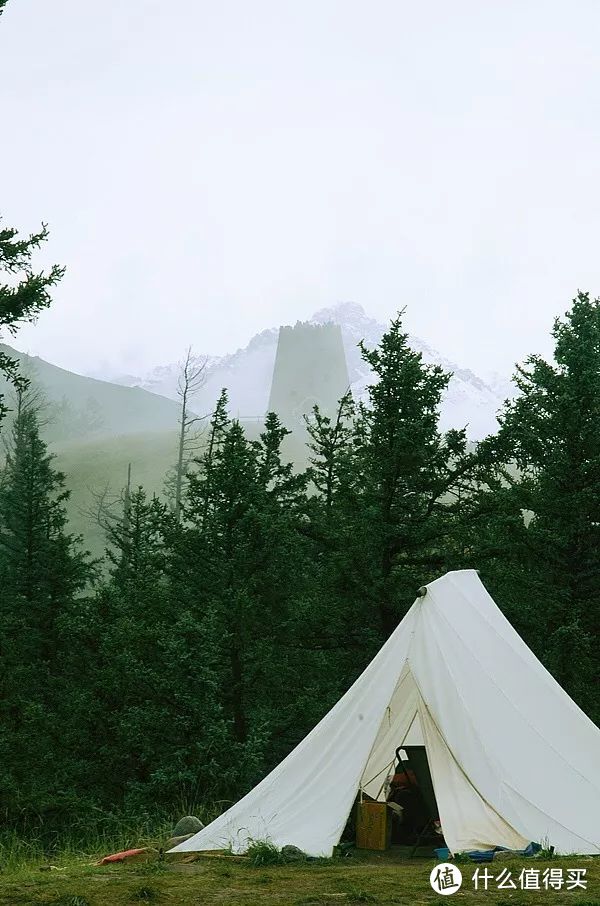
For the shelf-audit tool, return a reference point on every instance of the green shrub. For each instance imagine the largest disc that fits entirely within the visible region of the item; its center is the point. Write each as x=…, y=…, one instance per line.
x=263, y=852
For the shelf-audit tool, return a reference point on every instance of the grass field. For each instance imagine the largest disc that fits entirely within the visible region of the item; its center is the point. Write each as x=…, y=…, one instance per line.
x=370, y=878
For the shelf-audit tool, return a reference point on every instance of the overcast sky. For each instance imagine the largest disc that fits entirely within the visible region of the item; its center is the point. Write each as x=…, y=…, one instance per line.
x=209, y=169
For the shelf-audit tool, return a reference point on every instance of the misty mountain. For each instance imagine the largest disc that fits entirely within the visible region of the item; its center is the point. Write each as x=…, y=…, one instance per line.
x=75, y=407
x=97, y=429
x=470, y=401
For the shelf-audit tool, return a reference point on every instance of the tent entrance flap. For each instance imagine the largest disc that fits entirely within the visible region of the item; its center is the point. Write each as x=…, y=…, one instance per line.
x=400, y=725
x=468, y=820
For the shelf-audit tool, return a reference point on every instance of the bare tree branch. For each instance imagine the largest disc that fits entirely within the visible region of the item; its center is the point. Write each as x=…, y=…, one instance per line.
x=191, y=379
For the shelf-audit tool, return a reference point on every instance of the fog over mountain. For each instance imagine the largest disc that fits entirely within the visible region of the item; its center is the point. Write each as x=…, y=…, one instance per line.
x=470, y=400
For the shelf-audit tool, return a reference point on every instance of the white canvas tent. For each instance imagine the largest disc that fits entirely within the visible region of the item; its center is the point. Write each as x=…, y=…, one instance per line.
x=512, y=758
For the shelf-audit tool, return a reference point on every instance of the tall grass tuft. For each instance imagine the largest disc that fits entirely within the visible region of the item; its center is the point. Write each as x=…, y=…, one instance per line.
x=96, y=833
x=263, y=852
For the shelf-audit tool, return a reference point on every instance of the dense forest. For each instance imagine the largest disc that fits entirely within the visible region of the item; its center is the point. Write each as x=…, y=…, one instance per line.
x=219, y=631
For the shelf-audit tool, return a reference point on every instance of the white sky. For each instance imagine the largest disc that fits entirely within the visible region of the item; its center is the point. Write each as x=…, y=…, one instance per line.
x=209, y=169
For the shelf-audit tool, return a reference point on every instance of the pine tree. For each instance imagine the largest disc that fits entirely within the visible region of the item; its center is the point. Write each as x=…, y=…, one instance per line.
x=329, y=444
x=333, y=617
x=401, y=482
x=27, y=293
x=237, y=555
x=551, y=434
x=42, y=575
x=133, y=680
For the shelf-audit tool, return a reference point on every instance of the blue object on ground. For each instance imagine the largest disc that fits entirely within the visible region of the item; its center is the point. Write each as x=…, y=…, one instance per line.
x=487, y=855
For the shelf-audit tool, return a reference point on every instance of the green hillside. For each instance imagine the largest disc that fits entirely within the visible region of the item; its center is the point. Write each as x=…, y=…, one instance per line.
x=97, y=429
x=94, y=465
x=82, y=407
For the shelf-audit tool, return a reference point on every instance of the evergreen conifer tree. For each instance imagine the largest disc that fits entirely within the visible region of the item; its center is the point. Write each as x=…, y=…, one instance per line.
x=42, y=574
x=397, y=488
x=550, y=433
x=25, y=295
x=238, y=563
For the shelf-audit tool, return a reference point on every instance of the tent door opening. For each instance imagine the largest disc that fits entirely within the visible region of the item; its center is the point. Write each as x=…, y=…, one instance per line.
x=405, y=811
x=411, y=788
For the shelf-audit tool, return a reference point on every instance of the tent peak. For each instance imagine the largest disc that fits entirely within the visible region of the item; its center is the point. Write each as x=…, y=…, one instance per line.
x=422, y=591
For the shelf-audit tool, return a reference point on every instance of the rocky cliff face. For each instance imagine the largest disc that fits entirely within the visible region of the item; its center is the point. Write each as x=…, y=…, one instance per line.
x=469, y=401
x=310, y=370
x=248, y=374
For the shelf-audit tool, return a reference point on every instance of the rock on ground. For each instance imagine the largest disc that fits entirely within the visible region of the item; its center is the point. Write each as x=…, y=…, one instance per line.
x=187, y=826
x=292, y=853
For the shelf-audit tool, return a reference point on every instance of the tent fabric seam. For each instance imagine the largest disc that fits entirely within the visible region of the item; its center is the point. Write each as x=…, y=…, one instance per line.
x=457, y=762
x=512, y=704
x=401, y=679
x=554, y=820
x=521, y=651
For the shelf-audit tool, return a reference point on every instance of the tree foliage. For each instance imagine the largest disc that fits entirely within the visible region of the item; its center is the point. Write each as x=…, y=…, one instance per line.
x=551, y=434
x=42, y=573
x=225, y=627
x=26, y=292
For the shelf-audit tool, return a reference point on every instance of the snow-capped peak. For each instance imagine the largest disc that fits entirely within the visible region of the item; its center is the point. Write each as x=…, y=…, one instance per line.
x=247, y=373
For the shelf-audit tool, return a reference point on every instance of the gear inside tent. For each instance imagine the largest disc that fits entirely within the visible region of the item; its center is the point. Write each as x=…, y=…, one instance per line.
x=456, y=705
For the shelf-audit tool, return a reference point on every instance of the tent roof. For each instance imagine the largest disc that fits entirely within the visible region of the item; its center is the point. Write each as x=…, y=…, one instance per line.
x=512, y=757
